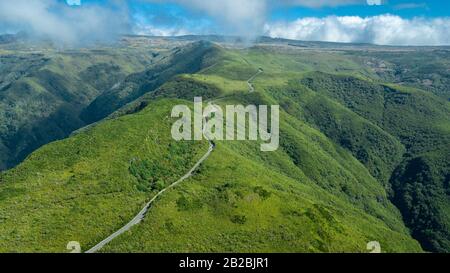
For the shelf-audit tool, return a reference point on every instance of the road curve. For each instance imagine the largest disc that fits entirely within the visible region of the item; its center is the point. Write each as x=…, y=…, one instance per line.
x=141, y=215
x=249, y=82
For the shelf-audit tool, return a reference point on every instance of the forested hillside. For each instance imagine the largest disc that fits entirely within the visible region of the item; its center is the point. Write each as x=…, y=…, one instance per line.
x=364, y=156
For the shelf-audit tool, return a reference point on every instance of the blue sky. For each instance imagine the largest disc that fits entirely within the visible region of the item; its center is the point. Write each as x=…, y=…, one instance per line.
x=403, y=8
x=179, y=17
x=403, y=22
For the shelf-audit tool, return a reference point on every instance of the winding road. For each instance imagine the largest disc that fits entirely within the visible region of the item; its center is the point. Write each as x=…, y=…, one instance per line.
x=249, y=82
x=141, y=215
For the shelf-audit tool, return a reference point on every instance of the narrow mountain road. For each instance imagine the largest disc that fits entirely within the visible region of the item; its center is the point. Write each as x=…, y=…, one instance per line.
x=141, y=215
x=249, y=82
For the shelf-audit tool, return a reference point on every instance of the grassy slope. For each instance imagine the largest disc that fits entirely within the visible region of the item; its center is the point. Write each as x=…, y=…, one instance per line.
x=189, y=59
x=332, y=204
x=92, y=192
x=42, y=95
x=420, y=121
x=258, y=210
x=311, y=195
x=82, y=188
x=424, y=69
x=387, y=127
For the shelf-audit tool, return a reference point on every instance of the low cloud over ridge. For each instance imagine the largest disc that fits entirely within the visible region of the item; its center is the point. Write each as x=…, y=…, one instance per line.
x=383, y=29
x=83, y=23
x=62, y=23
x=238, y=17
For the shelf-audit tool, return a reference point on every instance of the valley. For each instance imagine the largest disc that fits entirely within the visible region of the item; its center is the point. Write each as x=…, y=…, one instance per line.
x=86, y=144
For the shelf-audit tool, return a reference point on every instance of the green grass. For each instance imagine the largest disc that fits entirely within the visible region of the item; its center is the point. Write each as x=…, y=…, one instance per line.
x=424, y=69
x=419, y=121
x=352, y=147
x=238, y=204
x=380, y=124
x=189, y=59
x=43, y=94
x=84, y=188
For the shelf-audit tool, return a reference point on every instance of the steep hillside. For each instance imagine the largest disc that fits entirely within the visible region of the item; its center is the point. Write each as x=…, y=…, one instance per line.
x=421, y=122
x=189, y=59
x=425, y=68
x=83, y=188
x=360, y=160
x=89, y=185
x=42, y=94
x=47, y=95
x=243, y=200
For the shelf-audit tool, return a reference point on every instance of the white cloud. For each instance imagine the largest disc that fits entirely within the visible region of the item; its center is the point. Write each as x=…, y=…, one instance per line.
x=87, y=22
x=149, y=30
x=239, y=17
x=247, y=17
x=384, y=29
x=63, y=23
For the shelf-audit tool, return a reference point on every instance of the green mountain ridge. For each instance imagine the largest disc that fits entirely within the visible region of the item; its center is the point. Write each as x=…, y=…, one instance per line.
x=360, y=160
x=43, y=94
x=189, y=59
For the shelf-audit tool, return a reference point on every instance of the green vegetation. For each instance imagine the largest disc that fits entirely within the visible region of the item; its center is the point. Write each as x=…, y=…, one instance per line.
x=425, y=69
x=421, y=122
x=43, y=94
x=189, y=59
x=363, y=157
x=87, y=186
x=259, y=210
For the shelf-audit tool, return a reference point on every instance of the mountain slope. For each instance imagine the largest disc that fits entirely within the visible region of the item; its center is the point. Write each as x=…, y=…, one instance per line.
x=43, y=94
x=75, y=195
x=421, y=122
x=84, y=187
x=46, y=94
x=351, y=148
x=189, y=59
